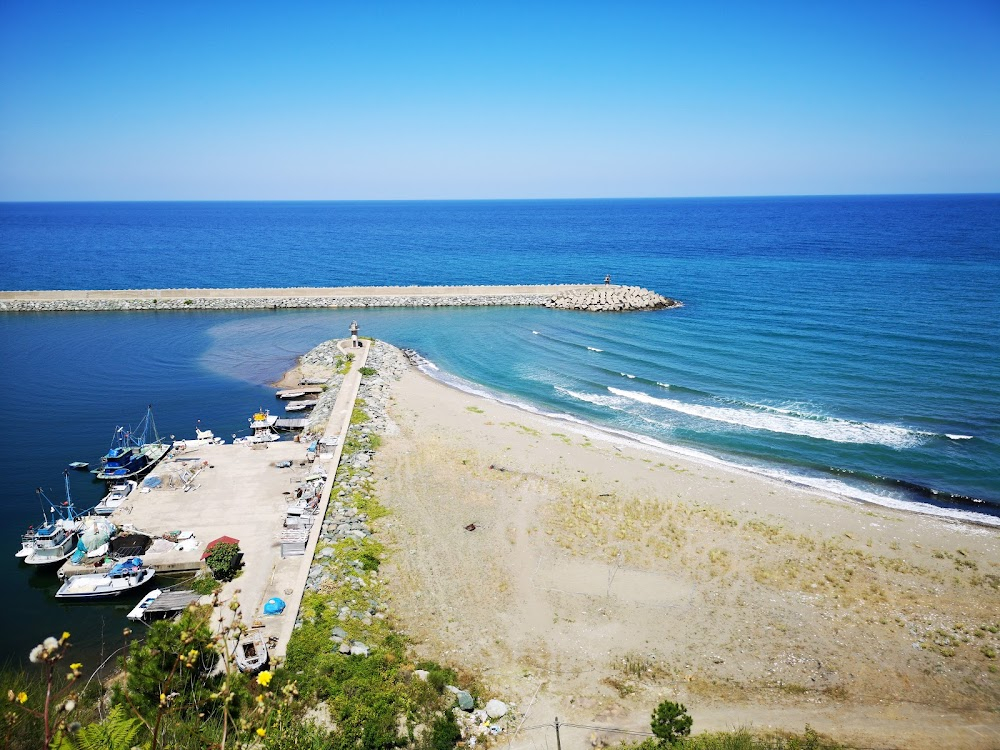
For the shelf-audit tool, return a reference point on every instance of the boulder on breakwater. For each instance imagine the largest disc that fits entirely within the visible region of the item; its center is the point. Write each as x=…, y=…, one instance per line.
x=611, y=299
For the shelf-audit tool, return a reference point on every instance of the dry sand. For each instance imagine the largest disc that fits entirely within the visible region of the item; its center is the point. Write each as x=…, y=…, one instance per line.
x=602, y=578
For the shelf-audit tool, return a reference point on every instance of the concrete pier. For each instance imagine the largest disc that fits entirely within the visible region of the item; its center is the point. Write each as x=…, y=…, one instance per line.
x=239, y=491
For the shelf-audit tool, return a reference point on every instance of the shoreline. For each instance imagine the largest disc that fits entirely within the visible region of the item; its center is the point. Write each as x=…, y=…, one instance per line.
x=590, y=554
x=820, y=486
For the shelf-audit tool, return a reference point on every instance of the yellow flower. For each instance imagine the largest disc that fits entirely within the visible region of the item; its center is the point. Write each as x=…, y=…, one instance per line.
x=264, y=678
x=76, y=665
x=22, y=697
x=261, y=731
x=163, y=699
x=65, y=636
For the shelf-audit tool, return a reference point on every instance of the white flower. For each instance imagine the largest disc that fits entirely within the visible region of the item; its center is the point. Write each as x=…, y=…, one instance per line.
x=50, y=643
x=36, y=654
x=70, y=705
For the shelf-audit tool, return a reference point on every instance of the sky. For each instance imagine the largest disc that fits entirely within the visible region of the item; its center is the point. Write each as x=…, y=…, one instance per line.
x=362, y=100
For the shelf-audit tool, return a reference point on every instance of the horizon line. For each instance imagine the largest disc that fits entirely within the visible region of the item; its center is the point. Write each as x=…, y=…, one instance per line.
x=501, y=199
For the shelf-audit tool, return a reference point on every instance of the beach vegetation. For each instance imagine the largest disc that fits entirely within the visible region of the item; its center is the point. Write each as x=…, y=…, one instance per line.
x=474, y=409
x=367, y=372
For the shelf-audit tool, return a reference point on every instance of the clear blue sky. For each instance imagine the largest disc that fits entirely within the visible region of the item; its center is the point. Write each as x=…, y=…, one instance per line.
x=141, y=100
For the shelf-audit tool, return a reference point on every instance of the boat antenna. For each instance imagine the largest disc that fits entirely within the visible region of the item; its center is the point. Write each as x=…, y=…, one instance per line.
x=69, y=499
x=152, y=423
x=41, y=496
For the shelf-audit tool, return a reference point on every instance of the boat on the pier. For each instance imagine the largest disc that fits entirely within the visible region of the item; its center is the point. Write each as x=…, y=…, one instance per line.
x=116, y=496
x=55, y=539
x=133, y=452
x=251, y=653
x=202, y=437
x=261, y=429
x=129, y=575
x=301, y=405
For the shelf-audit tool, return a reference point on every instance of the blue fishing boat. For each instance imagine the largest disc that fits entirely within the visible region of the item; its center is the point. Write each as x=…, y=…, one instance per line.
x=133, y=452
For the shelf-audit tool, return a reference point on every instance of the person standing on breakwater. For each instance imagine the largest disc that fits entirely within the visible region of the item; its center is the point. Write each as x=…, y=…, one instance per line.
x=607, y=280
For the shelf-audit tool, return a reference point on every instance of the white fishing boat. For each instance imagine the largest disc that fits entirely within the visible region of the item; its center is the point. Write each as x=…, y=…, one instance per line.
x=55, y=539
x=261, y=429
x=251, y=653
x=202, y=437
x=129, y=575
x=301, y=405
x=115, y=497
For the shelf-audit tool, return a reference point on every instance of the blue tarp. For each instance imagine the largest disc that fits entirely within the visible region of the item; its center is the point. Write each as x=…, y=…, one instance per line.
x=126, y=567
x=274, y=606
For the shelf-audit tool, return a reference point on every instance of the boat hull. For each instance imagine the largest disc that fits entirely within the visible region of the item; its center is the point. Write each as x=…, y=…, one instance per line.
x=251, y=653
x=153, y=453
x=96, y=586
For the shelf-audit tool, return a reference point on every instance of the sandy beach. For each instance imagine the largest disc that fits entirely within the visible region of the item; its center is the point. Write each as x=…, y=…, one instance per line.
x=602, y=577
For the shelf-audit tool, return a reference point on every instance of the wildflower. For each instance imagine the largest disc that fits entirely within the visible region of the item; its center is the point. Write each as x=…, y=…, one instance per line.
x=69, y=705
x=36, y=654
x=76, y=665
x=65, y=636
x=50, y=643
x=261, y=731
x=22, y=697
x=264, y=678
x=163, y=699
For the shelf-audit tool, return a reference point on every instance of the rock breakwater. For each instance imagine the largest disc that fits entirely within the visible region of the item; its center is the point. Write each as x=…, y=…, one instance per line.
x=611, y=299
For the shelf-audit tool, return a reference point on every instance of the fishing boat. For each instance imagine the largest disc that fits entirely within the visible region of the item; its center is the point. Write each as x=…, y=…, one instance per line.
x=139, y=610
x=133, y=452
x=301, y=405
x=129, y=575
x=251, y=653
x=261, y=429
x=55, y=539
x=116, y=496
x=202, y=437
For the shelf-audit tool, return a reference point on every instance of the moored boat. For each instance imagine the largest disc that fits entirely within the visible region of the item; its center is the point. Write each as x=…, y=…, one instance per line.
x=55, y=539
x=129, y=575
x=251, y=653
x=133, y=452
x=262, y=429
x=116, y=496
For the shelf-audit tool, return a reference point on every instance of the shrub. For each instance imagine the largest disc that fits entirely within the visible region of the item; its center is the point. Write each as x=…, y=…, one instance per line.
x=670, y=722
x=443, y=734
x=368, y=371
x=223, y=561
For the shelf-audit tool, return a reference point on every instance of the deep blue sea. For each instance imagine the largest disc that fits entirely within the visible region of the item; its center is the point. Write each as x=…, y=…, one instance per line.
x=850, y=343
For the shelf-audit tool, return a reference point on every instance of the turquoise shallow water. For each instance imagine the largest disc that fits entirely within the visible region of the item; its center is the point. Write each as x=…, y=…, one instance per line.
x=847, y=342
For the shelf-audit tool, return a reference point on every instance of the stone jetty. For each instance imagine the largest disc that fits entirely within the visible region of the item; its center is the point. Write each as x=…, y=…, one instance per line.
x=111, y=300
x=610, y=298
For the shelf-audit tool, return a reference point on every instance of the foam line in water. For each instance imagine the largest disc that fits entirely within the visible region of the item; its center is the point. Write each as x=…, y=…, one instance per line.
x=774, y=420
x=958, y=437
x=595, y=349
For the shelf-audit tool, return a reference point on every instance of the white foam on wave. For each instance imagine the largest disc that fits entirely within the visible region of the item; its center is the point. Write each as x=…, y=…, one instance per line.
x=535, y=332
x=595, y=349
x=958, y=437
x=776, y=420
x=662, y=385
x=626, y=375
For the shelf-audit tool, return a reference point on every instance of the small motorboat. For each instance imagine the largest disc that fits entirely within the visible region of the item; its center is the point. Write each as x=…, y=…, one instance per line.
x=116, y=496
x=79, y=465
x=139, y=610
x=251, y=653
x=129, y=575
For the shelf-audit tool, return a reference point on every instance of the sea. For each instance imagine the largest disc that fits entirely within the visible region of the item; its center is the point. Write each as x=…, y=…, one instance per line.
x=849, y=344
